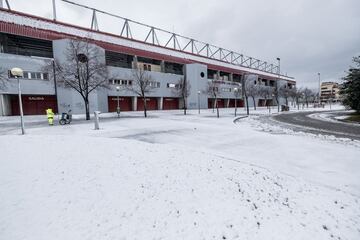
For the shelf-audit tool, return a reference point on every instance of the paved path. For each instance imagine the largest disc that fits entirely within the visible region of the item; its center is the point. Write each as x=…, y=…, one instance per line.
x=302, y=122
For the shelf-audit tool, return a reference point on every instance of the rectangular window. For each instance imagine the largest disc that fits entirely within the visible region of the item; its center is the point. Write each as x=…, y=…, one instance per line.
x=27, y=75
x=45, y=76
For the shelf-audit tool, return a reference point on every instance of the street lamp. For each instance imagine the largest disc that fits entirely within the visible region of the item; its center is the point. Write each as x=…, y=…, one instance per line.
x=236, y=92
x=319, y=87
x=199, y=100
x=18, y=73
x=118, y=101
x=272, y=98
x=277, y=85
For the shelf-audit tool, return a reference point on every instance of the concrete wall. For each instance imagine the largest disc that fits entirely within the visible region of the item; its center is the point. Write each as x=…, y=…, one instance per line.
x=28, y=86
x=196, y=75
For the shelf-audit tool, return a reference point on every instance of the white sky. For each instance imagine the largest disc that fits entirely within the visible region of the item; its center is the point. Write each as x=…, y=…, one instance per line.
x=309, y=36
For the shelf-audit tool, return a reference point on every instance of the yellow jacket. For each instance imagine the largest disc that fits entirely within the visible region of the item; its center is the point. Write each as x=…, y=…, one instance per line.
x=49, y=113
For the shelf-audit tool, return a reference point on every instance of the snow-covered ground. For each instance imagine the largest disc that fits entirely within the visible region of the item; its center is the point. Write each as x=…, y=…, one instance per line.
x=176, y=177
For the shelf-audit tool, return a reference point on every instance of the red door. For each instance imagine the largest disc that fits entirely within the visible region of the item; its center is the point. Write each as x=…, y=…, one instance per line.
x=170, y=103
x=151, y=104
x=231, y=103
x=33, y=104
x=211, y=103
x=221, y=103
x=261, y=102
x=240, y=103
x=125, y=103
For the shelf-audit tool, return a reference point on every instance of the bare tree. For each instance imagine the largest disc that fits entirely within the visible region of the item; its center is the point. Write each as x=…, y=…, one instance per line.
x=277, y=94
x=298, y=96
x=237, y=94
x=284, y=92
x=308, y=94
x=214, y=92
x=182, y=90
x=142, y=85
x=252, y=90
x=3, y=79
x=83, y=71
x=292, y=95
x=266, y=92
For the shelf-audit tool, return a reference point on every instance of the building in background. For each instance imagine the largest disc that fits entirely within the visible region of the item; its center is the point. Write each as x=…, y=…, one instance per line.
x=329, y=92
x=31, y=42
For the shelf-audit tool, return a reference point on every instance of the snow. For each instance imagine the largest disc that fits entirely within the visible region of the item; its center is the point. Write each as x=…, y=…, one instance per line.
x=176, y=177
x=330, y=118
x=51, y=26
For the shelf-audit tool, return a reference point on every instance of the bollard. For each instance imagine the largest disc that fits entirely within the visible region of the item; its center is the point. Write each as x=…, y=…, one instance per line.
x=96, y=118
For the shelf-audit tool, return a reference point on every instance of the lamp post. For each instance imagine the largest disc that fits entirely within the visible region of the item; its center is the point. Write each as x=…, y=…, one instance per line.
x=199, y=101
x=18, y=73
x=277, y=85
x=272, y=95
x=319, y=87
x=118, y=101
x=236, y=92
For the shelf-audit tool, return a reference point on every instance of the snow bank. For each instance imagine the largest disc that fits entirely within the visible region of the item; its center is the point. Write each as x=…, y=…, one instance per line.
x=176, y=177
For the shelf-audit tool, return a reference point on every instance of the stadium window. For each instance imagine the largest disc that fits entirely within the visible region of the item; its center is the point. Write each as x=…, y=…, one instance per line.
x=26, y=75
x=45, y=76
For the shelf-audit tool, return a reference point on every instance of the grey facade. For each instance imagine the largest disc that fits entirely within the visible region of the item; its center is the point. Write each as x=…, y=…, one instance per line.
x=41, y=83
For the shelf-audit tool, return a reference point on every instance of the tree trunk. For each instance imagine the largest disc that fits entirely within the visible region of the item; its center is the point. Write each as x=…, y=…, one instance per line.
x=145, y=112
x=287, y=103
x=297, y=103
x=184, y=101
x=254, y=102
x=213, y=105
x=87, y=108
x=247, y=104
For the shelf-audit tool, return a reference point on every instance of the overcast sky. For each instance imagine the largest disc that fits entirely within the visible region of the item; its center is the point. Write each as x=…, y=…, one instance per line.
x=309, y=36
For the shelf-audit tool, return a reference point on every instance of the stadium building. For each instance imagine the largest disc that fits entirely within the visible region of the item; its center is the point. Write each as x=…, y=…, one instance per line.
x=31, y=42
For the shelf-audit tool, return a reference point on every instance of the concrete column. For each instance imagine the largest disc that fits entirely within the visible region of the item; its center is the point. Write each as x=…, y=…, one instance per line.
x=162, y=65
x=5, y=105
x=227, y=103
x=135, y=60
x=134, y=103
x=218, y=75
x=231, y=77
x=160, y=103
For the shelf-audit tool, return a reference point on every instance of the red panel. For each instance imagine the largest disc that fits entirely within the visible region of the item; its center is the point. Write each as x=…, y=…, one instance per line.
x=210, y=103
x=125, y=103
x=151, y=104
x=261, y=102
x=33, y=104
x=239, y=103
x=220, y=103
x=170, y=103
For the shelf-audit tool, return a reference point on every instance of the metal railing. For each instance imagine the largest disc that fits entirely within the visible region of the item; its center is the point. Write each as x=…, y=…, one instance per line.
x=175, y=41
